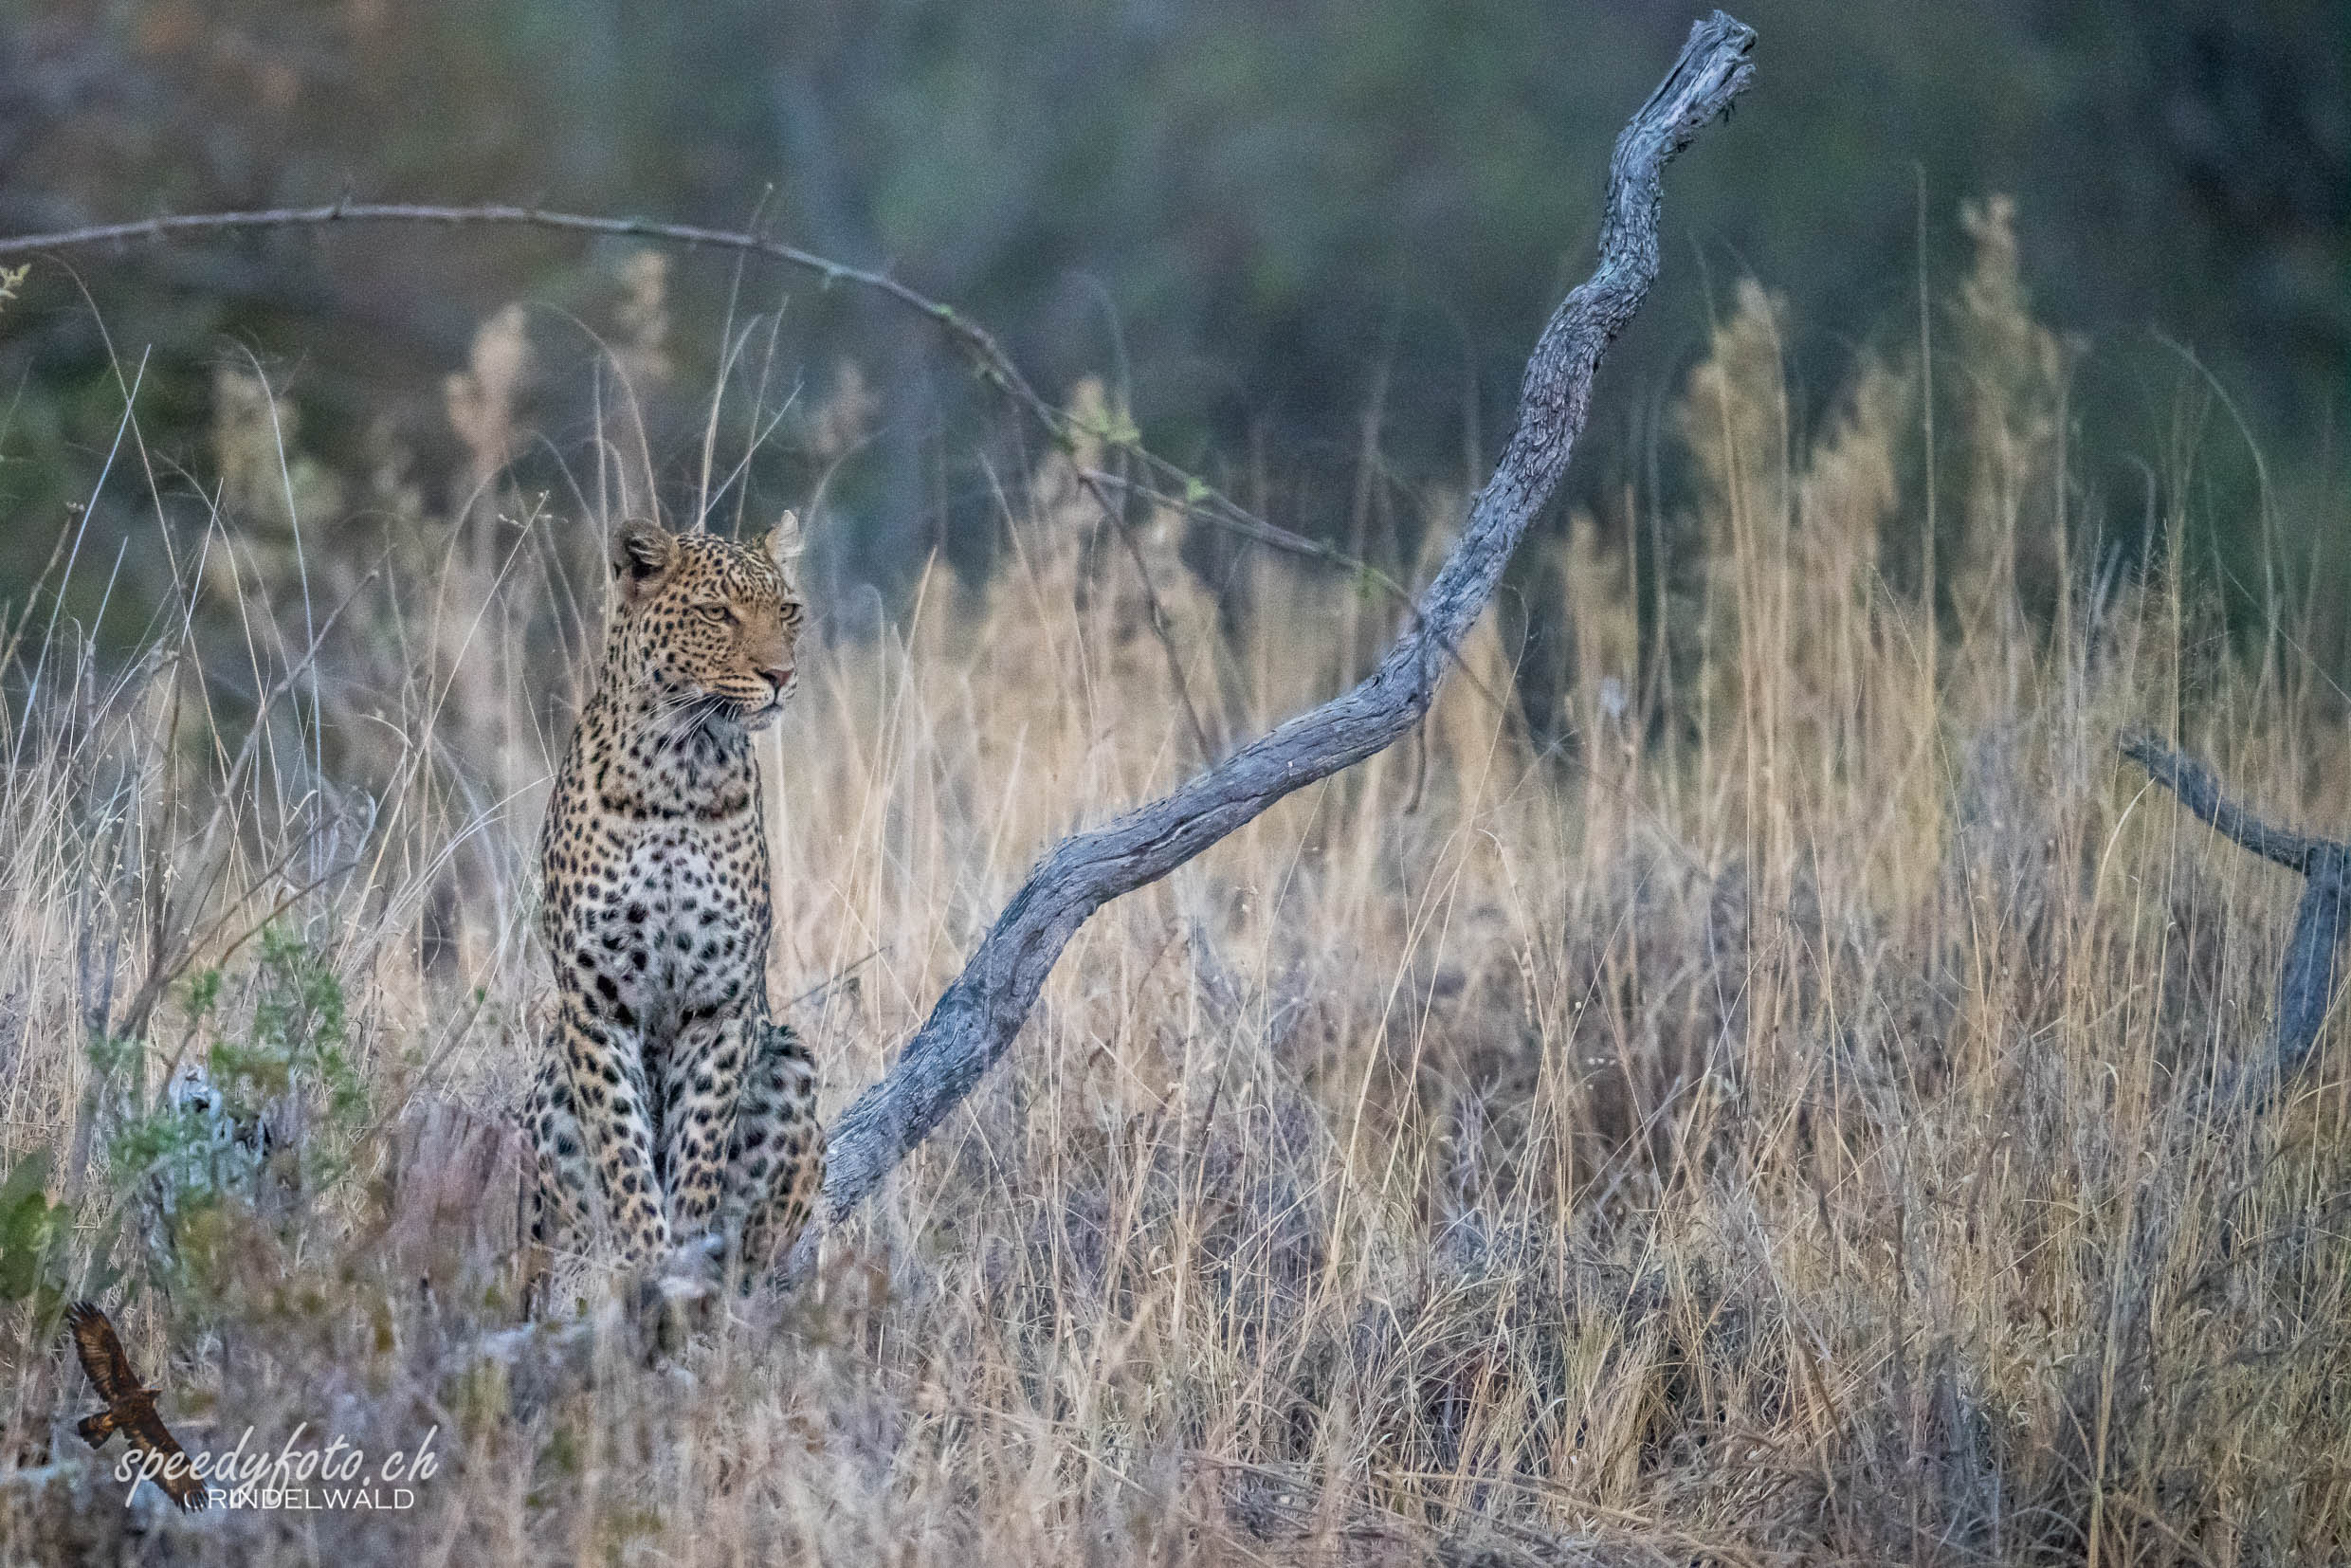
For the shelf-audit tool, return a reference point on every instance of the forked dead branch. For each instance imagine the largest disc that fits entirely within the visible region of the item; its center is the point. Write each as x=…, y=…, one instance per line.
x=2313, y=950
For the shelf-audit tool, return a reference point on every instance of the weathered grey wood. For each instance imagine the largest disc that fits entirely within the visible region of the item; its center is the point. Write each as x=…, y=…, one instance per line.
x=975, y=1021
x=2313, y=961
x=2314, y=949
x=2199, y=791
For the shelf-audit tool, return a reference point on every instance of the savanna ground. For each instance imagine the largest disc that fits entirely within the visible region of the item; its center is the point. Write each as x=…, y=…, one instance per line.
x=1759, y=1123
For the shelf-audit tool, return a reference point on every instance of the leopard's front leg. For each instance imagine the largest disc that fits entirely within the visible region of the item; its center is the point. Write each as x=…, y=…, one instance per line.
x=562, y=1179
x=776, y=1153
x=700, y=1082
x=604, y=1060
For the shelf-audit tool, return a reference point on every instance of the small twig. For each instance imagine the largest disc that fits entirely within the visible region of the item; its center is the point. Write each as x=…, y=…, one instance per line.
x=1114, y=514
x=1249, y=526
x=2305, y=989
x=1282, y=539
x=837, y=977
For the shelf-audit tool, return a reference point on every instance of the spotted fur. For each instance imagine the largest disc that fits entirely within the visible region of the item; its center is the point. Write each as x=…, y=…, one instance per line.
x=670, y=1106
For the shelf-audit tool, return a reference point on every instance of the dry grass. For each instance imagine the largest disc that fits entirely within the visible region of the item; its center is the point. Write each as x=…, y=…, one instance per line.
x=1762, y=1136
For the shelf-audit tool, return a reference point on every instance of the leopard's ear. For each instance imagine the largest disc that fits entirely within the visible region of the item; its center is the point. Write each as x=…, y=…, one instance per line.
x=783, y=543
x=643, y=553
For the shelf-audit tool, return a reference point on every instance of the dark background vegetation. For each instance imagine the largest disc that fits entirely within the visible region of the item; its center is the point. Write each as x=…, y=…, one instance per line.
x=1278, y=226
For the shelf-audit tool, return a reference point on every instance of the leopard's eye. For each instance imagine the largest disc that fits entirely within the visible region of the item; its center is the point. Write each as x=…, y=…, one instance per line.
x=714, y=611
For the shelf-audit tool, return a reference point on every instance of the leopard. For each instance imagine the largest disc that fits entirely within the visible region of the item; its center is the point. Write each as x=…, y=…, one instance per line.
x=673, y=1115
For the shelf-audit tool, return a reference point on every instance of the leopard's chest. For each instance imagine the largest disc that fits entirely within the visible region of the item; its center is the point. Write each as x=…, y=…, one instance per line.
x=668, y=920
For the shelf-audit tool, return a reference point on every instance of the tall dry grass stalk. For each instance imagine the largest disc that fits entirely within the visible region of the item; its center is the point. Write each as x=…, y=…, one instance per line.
x=1774, y=1147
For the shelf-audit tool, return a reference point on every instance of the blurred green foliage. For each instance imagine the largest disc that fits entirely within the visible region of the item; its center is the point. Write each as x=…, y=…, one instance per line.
x=33, y=1235
x=264, y=1129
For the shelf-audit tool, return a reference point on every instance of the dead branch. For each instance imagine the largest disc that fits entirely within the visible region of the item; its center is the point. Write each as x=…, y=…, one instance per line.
x=2198, y=791
x=2313, y=951
x=976, y=1019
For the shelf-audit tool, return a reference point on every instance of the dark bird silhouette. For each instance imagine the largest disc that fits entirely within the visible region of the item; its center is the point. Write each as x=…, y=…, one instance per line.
x=129, y=1403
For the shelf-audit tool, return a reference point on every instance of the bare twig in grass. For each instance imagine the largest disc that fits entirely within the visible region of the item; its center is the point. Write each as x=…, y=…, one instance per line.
x=1115, y=512
x=1167, y=482
x=2313, y=952
x=975, y=1021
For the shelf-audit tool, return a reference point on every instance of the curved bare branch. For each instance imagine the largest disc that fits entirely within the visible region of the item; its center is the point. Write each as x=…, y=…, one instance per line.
x=1163, y=481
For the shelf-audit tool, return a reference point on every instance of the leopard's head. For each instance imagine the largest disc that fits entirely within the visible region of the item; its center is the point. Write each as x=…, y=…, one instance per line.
x=710, y=624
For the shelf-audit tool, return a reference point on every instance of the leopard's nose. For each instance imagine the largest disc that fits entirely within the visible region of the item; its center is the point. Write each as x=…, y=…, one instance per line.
x=778, y=676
